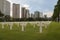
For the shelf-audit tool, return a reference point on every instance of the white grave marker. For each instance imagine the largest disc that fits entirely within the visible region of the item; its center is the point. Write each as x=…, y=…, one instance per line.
x=2, y=25
x=40, y=27
x=11, y=26
x=23, y=26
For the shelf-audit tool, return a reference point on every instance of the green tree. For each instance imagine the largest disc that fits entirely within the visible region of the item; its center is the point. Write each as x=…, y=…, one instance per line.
x=1, y=14
x=56, y=11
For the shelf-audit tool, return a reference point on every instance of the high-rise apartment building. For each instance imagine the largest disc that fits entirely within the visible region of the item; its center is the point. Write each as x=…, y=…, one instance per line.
x=45, y=16
x=16, y=10
x=41, y=15
x=5, y=7
x=38, y=14
x=25, y=13
x=32, y=15
x=2, y=5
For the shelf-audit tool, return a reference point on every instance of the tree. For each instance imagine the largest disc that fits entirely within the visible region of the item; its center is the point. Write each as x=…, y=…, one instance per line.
x=56, y=11
x=1, y=14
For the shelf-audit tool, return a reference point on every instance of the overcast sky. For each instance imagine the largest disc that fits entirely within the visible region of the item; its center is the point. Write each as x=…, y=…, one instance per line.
x=45, y=6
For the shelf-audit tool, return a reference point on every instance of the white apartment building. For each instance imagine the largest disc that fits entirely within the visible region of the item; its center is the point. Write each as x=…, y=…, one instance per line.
x=5, y=7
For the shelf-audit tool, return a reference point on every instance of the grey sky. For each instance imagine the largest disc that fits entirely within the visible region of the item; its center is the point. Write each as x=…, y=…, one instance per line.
x=46, y=6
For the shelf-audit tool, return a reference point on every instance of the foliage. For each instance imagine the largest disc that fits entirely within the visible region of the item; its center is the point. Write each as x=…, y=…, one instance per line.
x=1, y=14
x=56, y=11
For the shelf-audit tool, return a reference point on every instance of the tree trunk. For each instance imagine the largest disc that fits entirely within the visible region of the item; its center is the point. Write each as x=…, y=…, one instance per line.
x=58, y=17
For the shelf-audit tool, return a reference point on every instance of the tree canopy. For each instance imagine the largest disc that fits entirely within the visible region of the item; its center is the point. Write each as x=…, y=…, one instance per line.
x=1, y=14
x=56, y=10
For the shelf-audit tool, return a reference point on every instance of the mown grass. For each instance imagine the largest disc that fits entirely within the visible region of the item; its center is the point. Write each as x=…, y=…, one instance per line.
x=31, y=33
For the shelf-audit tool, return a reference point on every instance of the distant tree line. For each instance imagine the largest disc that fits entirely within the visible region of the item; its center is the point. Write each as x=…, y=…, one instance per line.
x=7, y=18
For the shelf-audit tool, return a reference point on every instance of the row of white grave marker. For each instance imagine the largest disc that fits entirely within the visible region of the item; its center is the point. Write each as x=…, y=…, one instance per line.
x=23, y=24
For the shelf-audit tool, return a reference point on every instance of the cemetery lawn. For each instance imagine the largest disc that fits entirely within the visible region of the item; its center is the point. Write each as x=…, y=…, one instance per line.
x=51, y=33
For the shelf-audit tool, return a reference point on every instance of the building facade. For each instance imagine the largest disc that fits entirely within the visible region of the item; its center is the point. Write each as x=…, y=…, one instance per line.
x=5, y=7
x=25, y=13
x=32, y=15
x=16, y=10
x=41, y=15
x=45, y=16
x=38, y=14
x=2, y=5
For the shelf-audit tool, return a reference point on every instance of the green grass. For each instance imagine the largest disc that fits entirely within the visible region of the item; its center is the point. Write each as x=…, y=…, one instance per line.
x=31, y=33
